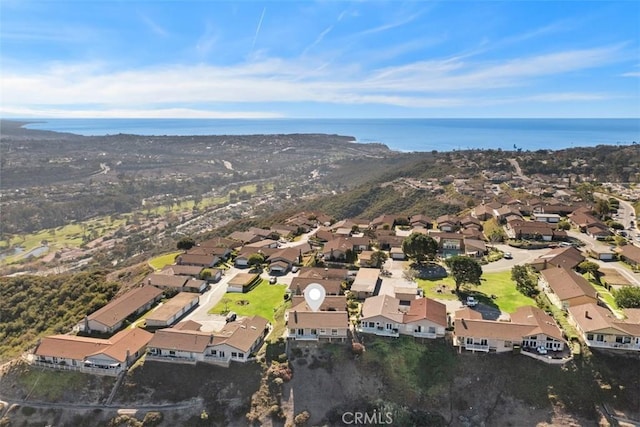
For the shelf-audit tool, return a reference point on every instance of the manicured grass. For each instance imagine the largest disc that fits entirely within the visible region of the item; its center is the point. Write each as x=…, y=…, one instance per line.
x=263, y=300
x=606, y=296
x=164, y=260
x=499, y=284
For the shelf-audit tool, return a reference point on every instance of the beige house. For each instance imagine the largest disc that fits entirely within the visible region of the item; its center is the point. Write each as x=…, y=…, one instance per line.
x=366, y=283
x=566, y=288
x=172, y=310
x=601, y=329
x=186, y=343
x=528, y=329
x=92, y=355
x=329, y=323
x=384, y=315
x=111, y=317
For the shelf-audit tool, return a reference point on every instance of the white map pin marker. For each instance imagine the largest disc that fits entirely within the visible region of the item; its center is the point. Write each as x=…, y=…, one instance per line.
x=314, y=295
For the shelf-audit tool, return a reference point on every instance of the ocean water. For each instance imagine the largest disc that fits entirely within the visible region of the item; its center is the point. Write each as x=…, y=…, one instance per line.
x=398, y=134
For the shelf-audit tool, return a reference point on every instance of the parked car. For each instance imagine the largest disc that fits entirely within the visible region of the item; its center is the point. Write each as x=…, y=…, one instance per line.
x=295, y=269
x=231, y=316
x=273, y=280
x=507, y=255
x=541, y=350
x=471, y=301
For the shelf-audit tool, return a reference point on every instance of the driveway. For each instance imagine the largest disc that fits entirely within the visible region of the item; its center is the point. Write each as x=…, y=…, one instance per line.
x=520, y=257
x=208, y=300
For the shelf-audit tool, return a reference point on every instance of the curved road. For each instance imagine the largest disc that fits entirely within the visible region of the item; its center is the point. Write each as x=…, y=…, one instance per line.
x=10, y=403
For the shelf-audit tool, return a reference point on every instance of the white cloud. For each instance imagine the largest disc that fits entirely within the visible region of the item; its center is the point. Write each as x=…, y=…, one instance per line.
x=424, y=84
x=165, y=113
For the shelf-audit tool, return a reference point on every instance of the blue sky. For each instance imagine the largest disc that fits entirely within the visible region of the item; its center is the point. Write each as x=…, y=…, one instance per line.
x=326, y=58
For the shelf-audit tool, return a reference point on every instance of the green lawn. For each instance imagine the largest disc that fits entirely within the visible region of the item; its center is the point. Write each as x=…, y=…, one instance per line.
x=164, y=260
x=606, y=296
x=499, y=284
x=262, y=300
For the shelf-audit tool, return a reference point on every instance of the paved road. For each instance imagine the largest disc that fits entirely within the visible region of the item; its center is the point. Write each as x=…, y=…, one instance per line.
x=520, y=257
x=10, y=403
x=591, y=243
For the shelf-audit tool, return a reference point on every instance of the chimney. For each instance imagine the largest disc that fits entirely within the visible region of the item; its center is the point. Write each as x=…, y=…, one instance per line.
x=295, y=316
x=586, y=314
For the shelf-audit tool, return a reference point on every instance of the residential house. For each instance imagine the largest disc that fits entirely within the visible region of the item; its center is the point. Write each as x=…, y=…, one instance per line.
x=449, y=243
x=384, y=315
x=323, y=273
x=200, y=260
x=111, y=317
x=421, y=221
x=470, y=222
x=303, y=324
x=505, y=212
x=546, y=217
x=172, y=310
x=183, y=270
x=629, y=254
x=92, y=355
x=262, y=244
x=482, y=212
x=281, y=261
x=323, y=235
x=529, y=328
x=384, y=222
x=529, y=230
x=475, y=248
x=186, y=343
x=565, y=257
x=566, y=288
x=366, y=283
x=331, y=286
x=244, y=237
x=448, y=223
x=176, y=283
x=396, y=253
x=243, y=282
x=601, y=329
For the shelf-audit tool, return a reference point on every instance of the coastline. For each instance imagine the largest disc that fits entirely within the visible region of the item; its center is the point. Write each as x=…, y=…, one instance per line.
x=402, y=135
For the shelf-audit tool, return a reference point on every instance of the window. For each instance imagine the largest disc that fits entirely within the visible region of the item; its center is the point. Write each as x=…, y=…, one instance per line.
x=432, y=330
x=323, y=331
x=234, y=354
x=372, y=325
x=507, y=344
x=590, y=337
x=334, y=332
x=314, y=332
x=469, y=341
x=300, y=331
x=600, y=338
x=483, y=341
x=623, y=340
x=172, y=353
x=214, y=352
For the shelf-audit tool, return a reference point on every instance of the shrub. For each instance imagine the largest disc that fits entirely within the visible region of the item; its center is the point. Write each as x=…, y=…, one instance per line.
x=302, y=418
x=152, y=419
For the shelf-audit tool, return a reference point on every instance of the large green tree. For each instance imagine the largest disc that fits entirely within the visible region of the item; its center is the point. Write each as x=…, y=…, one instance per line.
x=628, y=297
x=591, y=268
x=186, y=243
x=464, y=270
x=378, y=258
x=419, y=247
x=525, y=280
